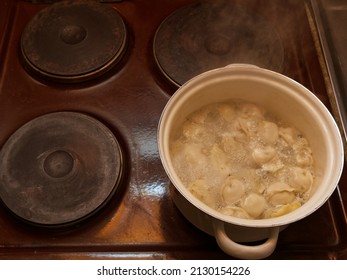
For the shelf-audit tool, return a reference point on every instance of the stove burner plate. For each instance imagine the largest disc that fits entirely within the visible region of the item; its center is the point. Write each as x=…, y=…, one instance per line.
x=59, y=168
x=207, y=35
x=74, y=40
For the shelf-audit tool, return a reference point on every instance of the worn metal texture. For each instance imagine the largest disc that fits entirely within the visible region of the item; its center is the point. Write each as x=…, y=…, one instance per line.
x=59, y=169
x=74, y=40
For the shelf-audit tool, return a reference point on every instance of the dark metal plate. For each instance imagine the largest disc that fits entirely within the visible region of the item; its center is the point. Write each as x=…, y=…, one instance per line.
x=59, y=168
x=212, y=34
x=74, y=40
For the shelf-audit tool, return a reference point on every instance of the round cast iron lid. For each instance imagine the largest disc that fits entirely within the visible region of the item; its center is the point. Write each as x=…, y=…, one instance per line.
x=59, y=168
x=207, y=35
x=74, y=40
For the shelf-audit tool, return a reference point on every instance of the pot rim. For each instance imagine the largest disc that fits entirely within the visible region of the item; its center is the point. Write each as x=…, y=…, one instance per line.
x=317, y=108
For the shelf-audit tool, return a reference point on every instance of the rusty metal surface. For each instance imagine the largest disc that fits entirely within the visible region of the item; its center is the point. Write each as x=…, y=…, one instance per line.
x=207, y=35
x=141, y=221
x=73, y=40
x=59, y=169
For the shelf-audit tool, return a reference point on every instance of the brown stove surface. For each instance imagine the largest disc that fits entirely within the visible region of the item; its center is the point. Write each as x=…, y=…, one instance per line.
x=141, y=221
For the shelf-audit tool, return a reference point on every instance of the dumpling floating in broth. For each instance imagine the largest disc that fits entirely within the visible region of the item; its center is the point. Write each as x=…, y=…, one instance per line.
x=235, y=211
x=254, y=204
x=289, y=134
x=263, y=155
x=202, y=191
x=250, y=111
x=227, y=112
x=304, y=157
x=280, y=193
x=268, y=132
x=300, y=179
x=232, y=190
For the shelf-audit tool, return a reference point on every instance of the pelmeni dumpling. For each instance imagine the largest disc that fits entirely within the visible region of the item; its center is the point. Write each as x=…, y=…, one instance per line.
x=263, y=154
x=248, y=126
x=300, y=143
x=232, y=190
x=236, y=130
x=201, y=190
x=235, y=211
x=193, y=154
x=273, y=166
x=289, y=134
x=266, y=157
x=240, y=136
x=304, y=157
x=268, y=132
x=280, y=193
x=228, y=113
x=254, y=204
x=193, y=131
x=228, y=143
x=250, y=111
x=219, y=160
x=300, y=179
x=200, y=116
x=189, y=160
x=281, y=210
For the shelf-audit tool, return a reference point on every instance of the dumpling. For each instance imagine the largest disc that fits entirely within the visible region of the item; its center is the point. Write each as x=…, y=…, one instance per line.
x=238, y=132
x=201, y=190
x=289, y=134
x=301, y=143
x=300, y=179
x=240, y=136
x=228, y=143
x=193, y=154
x=282, y=210
x=280, y=193
x=263, y=155
x=219, y=160
x=249, y=110
x=273, y=166
x=193, y=132
x=232, y=190
x=235, y=211
x=254, y=204
x=304, y=157
x=189, y=160
x=200, y=116
x=268, y=132
x=207, y=116
x=248, y=126
x=227, y=112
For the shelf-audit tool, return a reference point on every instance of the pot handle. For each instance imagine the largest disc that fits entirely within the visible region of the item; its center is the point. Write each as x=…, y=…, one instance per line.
x=245, y=251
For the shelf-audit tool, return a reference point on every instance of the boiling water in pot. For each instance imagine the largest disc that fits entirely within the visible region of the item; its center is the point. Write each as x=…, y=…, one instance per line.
x=242, y=161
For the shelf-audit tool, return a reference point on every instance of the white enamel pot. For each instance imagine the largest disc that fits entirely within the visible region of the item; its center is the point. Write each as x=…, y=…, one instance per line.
x=291, y=102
